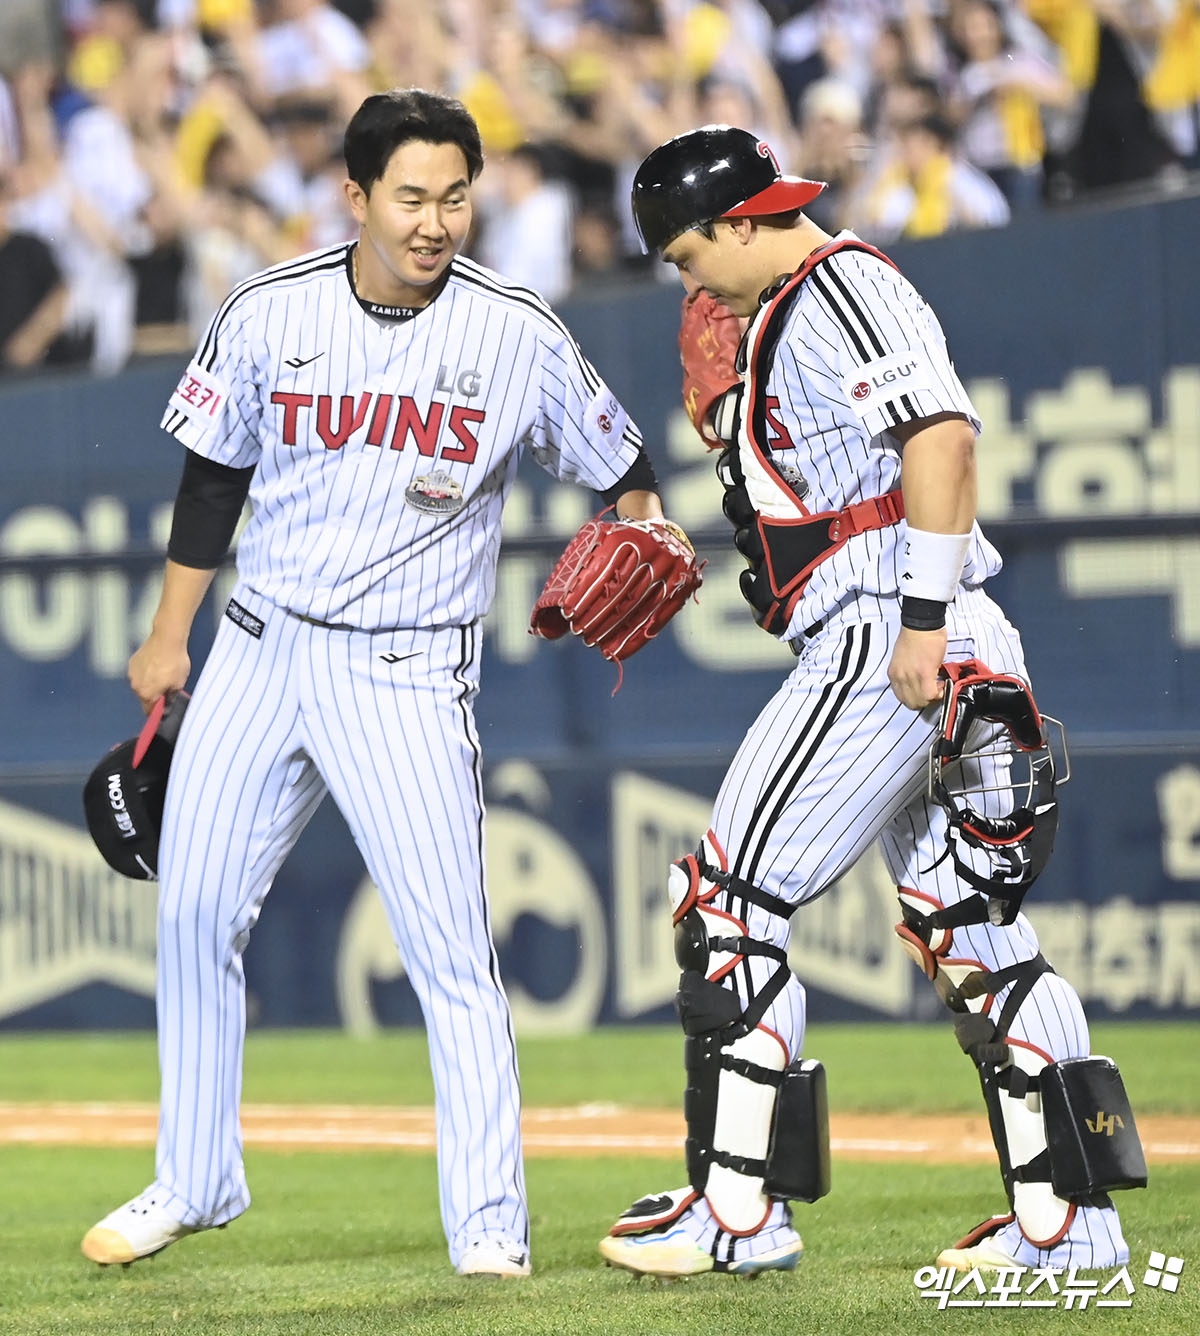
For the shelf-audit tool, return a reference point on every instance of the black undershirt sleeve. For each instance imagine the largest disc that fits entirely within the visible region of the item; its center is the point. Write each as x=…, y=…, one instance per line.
x=639, y=478
x=207, y=508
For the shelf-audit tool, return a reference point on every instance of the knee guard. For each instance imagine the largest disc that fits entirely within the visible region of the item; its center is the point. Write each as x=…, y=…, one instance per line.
x=926, y=933
x=757, y=1125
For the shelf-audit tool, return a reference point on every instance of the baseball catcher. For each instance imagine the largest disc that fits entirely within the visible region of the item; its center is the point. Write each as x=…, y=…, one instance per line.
x=848, y=471
x=618, y=583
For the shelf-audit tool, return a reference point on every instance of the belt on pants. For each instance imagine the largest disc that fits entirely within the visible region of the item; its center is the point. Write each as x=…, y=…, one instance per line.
x=796, y=644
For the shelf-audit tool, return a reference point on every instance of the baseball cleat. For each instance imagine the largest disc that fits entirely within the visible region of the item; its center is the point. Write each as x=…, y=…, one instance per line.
x=983, y=1256
x=138, y=1229
x=676, y=1253
x=494, y=1257
x=783, y=1258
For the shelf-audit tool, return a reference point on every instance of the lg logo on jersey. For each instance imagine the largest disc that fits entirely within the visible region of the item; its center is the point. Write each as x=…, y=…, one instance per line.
x=376, y=411
x=468, y=384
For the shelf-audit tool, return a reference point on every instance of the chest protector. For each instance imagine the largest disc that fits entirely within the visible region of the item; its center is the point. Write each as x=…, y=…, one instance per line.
x=782, y=540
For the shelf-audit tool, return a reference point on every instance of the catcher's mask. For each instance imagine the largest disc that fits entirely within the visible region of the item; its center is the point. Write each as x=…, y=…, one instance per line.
x=717, y=171
x=123, y=797
x=1017, y=843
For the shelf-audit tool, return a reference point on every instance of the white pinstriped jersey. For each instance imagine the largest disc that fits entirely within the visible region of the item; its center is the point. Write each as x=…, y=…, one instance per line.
x=859, y=353
x=385, y=449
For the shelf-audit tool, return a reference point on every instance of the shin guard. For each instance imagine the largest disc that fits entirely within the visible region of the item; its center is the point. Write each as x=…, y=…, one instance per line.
x=1064, y=1130
x=739, y=1154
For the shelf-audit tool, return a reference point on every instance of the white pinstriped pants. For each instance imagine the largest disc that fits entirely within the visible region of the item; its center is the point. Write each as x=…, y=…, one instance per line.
x=276, y=722
x=833, y=763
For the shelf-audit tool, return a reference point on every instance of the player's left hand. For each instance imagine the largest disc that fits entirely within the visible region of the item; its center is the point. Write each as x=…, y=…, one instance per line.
x=617, y=585
x=916, y=662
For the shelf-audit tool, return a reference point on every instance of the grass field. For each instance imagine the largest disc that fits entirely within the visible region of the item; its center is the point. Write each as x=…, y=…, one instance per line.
x=351, y=1242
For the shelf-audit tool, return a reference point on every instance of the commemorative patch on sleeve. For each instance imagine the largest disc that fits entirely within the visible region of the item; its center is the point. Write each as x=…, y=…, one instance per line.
x=887, y=379
x=199, y=395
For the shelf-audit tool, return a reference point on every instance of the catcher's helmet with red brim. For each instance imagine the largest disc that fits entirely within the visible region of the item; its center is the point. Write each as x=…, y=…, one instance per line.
x=717, y=171
x=123, y=797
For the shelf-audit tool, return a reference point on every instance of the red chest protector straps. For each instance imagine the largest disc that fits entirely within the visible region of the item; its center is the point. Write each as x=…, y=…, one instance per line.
x=784, y=552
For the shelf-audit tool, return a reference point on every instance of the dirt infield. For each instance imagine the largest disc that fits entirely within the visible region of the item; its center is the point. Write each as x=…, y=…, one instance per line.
x=588, y=1129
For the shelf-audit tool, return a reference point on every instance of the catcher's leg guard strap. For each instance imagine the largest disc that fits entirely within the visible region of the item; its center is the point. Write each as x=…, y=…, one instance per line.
x=729, y=1105
x=1064, y=1130
x=756, y=1130
x=1008, y=1072
x=968, y=989
x=1065, y=1133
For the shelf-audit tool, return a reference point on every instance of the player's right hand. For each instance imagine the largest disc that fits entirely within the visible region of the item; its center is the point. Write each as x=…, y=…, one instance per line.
x=916, y=663
x=160, y=667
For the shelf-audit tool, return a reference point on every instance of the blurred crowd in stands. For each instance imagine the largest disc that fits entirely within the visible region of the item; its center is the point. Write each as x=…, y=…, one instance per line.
x=153, y=153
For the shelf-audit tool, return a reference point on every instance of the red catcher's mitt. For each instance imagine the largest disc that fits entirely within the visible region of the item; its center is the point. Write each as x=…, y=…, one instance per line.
x=617, y=585
x=709, y=335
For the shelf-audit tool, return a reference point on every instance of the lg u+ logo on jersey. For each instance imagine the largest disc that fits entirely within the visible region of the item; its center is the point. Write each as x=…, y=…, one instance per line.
x=468, y=384
x=885, y=378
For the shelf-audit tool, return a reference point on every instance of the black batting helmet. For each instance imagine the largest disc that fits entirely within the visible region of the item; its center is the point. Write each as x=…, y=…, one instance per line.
x=717, y=171
x=123, y=797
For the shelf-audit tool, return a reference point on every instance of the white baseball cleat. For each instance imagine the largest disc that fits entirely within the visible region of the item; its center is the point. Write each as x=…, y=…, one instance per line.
x=138, y=1229
x=675, y=1253
x=982, y=1256
x=495, y=1257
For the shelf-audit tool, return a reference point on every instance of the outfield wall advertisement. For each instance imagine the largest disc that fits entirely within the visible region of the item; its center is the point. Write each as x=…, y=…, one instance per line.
x=1085, y=365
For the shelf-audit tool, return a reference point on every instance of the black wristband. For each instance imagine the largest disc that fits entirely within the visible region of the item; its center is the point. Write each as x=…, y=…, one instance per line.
x=639, y=478
x=922, y=614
